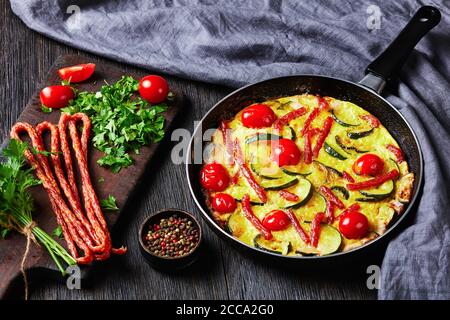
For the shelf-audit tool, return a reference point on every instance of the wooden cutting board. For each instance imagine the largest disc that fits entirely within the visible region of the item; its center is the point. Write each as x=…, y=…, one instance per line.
x=120, y=185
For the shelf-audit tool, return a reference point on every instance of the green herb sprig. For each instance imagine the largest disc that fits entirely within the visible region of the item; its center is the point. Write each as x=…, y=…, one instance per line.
x=16, y=203
x=45, y=109
x=57, y=232
x=122, y=122
x=109, y=203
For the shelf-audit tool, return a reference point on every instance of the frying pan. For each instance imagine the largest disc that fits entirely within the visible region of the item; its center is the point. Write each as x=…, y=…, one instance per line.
x=366, y=93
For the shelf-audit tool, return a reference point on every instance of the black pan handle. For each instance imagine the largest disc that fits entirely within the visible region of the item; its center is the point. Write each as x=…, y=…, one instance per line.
x=389, y=62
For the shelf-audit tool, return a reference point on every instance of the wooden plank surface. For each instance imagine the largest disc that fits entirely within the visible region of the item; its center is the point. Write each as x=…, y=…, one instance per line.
x=222, y=272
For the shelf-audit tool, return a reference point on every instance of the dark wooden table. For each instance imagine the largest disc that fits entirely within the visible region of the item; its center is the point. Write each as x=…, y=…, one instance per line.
x=222, y=273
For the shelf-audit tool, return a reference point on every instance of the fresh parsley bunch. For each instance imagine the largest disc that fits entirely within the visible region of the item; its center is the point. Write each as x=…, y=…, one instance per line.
x=122, y=121
x=16, y=203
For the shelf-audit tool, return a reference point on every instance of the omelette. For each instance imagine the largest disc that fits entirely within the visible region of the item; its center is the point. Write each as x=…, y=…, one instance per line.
x=316, y=185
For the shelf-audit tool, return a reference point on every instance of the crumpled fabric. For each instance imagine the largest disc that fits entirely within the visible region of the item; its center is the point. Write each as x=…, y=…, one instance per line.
x=236, y=42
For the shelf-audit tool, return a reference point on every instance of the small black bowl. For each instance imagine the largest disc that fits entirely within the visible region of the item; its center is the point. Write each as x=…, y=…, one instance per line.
x=168, y=263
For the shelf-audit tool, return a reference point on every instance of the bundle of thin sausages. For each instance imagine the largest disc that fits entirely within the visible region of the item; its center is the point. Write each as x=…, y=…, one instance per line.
x=84, y=229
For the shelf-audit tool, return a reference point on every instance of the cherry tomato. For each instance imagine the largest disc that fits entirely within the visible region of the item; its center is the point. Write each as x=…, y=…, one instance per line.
x=153, y=88
x=353, y=225
x=223, y=203
x=77, y=73
x=258, y=116
x=276, y=220
x=369, y=164
x=285, y=152
x=214, y=177
x=56, y=96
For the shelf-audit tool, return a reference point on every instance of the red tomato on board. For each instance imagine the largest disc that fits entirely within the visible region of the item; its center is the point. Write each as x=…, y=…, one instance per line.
x=214, y=177
x=77, y=73
x=56, y=97
x=276, y=220
x=369, y=164
x=353, y=225
x=258, y=116
x=223, y=203
x=153, y=89
x=285, y=152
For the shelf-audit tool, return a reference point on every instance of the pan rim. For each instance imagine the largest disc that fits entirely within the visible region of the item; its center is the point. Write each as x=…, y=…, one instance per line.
x=213, y=224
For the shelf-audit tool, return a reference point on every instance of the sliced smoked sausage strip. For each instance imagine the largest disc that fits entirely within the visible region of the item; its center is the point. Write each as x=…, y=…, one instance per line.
x=92, y=240
x=92, y=204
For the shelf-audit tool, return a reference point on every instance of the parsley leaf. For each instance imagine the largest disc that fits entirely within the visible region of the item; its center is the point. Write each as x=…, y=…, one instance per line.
x=122, y=121
x=4, y=232
x=57, y=232
x=14, y=151
x=44, y=152
x=109, y=203
x=45, y=109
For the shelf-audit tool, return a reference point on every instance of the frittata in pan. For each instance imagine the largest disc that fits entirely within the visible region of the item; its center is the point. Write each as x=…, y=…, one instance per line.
x=305, y=175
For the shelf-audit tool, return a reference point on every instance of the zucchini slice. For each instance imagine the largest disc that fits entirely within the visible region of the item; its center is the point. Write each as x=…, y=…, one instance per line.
x=238, y=192
x=330, y=169
x=342, y=190
x=289, y=133
x=230, y=224
x=367, y=199
x=329, y=149
x=285, y=106
x=274, y=246
x=263, y=137
x=381, y=192
x=270, y=171
x=341, y=122
x=279, y=184
x=303, y=189
x=394, y=164
x=316, y=204
x=329, y=242
x=346, y=148
x=238, y=226
x=295, y=171
x=359, y=134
